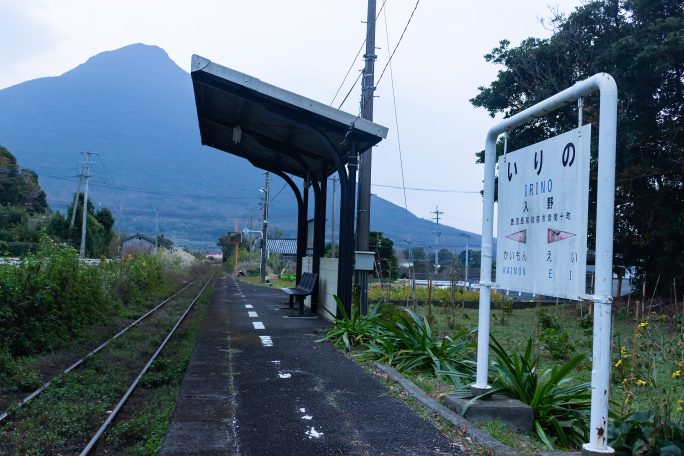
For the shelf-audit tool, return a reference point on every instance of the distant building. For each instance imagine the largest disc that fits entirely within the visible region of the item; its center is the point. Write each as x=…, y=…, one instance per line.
x=138, y=243
x=286, y=248
x=215, y=256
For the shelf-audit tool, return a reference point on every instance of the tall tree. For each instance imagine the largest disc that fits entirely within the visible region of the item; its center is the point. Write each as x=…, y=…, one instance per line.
x=386, y=256
x=641, y=44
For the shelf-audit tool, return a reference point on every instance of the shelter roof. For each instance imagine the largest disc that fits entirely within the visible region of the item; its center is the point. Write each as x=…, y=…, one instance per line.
x=272, y=128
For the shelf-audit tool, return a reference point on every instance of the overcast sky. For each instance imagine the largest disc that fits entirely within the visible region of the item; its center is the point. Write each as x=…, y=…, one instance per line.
x=306, y=46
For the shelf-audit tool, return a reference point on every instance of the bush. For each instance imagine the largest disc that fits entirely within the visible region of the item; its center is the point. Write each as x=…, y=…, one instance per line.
x=557, y=342
x=51, y=297
x=48, y=299
x=560, y=407
x=352, y=331
x=288, y=276
x=643, y=433
x=408, y=344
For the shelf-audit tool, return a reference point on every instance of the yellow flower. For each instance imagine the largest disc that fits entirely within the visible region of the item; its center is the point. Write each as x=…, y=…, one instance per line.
x=643, y=324
x=641, y=382
x=623, y=352
x=619, y=363
x=677, y=374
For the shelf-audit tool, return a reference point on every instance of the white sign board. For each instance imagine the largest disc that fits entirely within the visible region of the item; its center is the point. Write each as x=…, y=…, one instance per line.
x=543, y=213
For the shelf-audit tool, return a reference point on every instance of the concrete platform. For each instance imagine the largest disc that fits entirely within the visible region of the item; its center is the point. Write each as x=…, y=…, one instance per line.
x=517, y=416
x=276, y=391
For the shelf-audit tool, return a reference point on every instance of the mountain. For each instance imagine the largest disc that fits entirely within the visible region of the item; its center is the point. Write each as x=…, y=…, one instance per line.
x=135, y=108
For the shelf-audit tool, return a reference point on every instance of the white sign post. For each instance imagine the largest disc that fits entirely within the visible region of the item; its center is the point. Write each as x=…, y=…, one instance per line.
x=600, y=375
x=543, y=217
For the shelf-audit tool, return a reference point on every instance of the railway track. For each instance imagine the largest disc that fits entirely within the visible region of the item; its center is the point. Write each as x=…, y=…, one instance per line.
x=145, y=320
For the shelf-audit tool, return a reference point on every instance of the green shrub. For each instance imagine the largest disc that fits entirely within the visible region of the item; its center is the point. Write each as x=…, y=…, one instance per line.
x=643, y=433
x=288, y=276
x=352, y=331
x=548, y=321
x=48, y=298
x=557, y=342
x=408, y=344
x=560, y=407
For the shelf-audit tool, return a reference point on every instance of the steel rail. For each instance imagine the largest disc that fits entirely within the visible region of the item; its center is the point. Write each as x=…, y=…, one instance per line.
x=124, y=398
x=80, y=361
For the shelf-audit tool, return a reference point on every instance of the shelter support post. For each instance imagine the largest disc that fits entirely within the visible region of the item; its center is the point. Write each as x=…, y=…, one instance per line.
x=600, y=378
x=320, y=191
x=301, y=224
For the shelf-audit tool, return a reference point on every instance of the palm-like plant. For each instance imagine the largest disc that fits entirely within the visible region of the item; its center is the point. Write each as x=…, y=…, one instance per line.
x=409, y=345
x=352, y=331
x=560, y=405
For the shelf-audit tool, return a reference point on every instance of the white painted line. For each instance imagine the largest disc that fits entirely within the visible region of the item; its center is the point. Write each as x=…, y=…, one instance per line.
x=258, y=325
x=302, y=410
x=249, y=306
x=284, y=374
x=307, y=417
x=252, y=314
x=276, y=362
x=266, y=341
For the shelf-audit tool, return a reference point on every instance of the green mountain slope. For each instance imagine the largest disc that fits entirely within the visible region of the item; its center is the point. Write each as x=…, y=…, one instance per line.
x=134, y=107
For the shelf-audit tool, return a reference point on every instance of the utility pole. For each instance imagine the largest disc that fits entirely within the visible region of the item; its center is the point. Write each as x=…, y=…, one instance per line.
x=465, y=281
x=332, y=231
x=438, y=233
x=85, y=172
x=266, y=189
x=367, y=94
x=156, y=229
x=237, y=245
x=76, y=196
x=249, y=239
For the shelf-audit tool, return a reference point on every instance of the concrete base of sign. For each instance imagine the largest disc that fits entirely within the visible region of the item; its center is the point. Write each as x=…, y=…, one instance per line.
x=477, y=390
x=592, y=452
x=560, y=453
x=517, y=416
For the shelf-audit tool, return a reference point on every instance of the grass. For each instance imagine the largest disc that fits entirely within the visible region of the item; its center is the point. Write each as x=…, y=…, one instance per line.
x=524, y=444
x=275, y=281
x=141, y=431
x=62, y=419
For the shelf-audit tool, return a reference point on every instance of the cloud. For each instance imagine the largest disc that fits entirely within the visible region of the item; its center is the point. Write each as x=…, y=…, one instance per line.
x=23, y=35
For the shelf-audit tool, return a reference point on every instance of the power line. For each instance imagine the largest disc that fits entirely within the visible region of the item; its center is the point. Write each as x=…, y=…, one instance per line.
x=434, y=190
x=398, y=42
x=401, y=37
x=352, y=65
x=150, y=192
x=396, y=123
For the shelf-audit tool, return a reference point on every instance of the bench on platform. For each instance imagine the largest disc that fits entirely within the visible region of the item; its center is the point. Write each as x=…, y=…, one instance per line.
x=303, y=289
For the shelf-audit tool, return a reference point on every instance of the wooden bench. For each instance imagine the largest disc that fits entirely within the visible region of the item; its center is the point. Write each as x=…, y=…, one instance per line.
x=303, y=289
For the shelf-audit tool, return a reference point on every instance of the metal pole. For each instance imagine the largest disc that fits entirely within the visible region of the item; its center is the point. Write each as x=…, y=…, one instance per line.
x=467, y=260
x=437, y=234
x=600, y=375
x=332, y=231
x=366, y=158
x=264, y=231
x=237, y=246
x=156, y=229
x=84, y=220
x=75, y=205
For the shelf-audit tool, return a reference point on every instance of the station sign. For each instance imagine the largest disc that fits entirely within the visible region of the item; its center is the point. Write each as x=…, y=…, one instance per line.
x=543, y=209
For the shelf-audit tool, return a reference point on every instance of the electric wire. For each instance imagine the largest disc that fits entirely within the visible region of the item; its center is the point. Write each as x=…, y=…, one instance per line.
x=401, y=37
x=396, y=122
x=433, y=190
x=353, y=63
x=401, y=158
